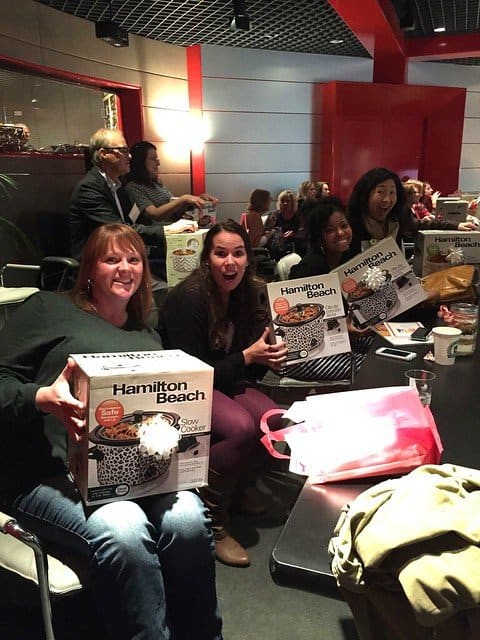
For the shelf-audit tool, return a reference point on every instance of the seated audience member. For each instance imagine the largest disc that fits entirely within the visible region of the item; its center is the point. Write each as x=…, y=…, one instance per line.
x=259, y=204
x=283, y=223
x=428, y=197
x=329, y=236
x=306, y=191
x=150, y=556
x=99, y=196
x=322, y=190
x=413, y=189
x=377, y=209
x=214, y=315
x=155, y=203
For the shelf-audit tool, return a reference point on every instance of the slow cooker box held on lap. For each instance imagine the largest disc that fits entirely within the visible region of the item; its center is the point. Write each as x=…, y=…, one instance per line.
x=308, y=315
x=148, y=424
x=378, y=284
x=437, y=250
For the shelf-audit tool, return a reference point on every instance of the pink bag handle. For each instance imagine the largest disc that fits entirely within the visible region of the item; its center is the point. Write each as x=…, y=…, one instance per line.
x=270, y=437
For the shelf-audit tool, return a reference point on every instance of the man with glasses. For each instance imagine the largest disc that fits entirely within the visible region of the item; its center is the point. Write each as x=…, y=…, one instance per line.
x=99, y=197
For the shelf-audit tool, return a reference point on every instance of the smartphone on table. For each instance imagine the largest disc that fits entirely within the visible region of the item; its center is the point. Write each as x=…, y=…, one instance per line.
x=396, y=354
x=420, y=334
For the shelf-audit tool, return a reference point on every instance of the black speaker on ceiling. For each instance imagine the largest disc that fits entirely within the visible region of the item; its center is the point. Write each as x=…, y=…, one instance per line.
x=406, y=15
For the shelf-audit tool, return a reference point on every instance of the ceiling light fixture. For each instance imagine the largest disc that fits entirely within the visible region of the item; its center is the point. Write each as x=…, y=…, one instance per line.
x=439, y=29
x=111, y=32
x=240, y=20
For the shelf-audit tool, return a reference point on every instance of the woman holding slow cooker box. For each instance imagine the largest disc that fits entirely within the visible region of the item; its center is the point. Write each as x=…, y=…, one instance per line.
x=377, y=209
x=329, y=237
x=214, y=315
x=148, y=557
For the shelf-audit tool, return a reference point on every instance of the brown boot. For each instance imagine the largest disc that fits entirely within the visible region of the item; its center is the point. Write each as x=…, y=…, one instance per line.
x=217, y=497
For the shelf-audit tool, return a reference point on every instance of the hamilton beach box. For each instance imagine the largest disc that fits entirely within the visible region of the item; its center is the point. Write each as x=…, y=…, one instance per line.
x=378, y=284
x=148, y=422
x=183, y=254
x=437, y=250
x=308, y=315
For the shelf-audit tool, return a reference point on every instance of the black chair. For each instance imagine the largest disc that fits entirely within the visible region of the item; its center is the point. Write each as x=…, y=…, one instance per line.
x=54, y=273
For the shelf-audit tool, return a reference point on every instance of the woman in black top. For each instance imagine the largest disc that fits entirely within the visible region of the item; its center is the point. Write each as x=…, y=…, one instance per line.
x=139, y=551
x=377, y=209
x=214, y=314
x=329, y=236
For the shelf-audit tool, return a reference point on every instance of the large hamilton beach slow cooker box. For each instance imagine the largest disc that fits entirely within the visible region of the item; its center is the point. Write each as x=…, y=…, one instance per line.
x=437, y=250
x=308, y=315
x=148, y=422
x=379, y=284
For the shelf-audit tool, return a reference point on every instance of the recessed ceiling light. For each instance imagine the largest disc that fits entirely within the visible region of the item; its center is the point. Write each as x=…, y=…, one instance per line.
x=439, y=29
x=336, y=41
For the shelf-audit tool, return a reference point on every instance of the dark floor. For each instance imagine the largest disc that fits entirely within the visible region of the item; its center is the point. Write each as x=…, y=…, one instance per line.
x=252, y=604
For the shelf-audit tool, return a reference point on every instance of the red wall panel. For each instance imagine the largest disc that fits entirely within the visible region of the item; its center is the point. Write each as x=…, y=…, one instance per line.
x=413, y=130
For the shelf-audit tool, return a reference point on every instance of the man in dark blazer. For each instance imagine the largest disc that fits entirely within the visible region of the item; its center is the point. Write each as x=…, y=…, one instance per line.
x=99, y=196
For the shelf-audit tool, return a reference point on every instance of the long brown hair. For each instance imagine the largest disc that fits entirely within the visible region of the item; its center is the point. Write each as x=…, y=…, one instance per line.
x=98, y=244
x=243, y=300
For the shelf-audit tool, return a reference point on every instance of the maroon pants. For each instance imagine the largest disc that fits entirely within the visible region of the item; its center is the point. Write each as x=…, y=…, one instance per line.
x=235, y=429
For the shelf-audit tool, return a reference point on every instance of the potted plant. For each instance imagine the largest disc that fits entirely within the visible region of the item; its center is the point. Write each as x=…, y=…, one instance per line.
x=15, y=246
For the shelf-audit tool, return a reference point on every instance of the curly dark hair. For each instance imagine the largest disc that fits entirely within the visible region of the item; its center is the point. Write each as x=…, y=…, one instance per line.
x=242, y=309
x=138, y=171
x=358, y=201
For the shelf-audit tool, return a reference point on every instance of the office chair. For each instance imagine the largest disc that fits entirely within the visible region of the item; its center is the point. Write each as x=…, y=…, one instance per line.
x=285, y=264
x=23, y=554
x=54, y=273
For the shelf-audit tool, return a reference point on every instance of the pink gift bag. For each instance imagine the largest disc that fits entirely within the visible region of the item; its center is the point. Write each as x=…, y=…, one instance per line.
x=358, y=434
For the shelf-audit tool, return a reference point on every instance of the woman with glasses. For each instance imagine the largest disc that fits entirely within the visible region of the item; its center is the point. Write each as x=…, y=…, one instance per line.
x=155, y=203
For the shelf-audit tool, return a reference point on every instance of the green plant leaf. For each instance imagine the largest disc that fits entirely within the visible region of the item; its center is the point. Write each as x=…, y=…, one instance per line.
x=6, y=183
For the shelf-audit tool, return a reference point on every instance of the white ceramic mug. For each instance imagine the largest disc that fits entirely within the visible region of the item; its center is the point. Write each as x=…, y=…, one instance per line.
x=445, y=341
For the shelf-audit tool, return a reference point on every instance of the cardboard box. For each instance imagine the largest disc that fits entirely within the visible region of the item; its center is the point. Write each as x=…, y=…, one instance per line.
x=205, y=216
x=308, y=315
x=400, y=291
x=432, y=249
x=125, y=391
x=183, y=254
x=454, y=210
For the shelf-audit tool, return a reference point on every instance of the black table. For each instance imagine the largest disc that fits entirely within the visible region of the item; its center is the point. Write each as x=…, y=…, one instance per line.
x=301, y=550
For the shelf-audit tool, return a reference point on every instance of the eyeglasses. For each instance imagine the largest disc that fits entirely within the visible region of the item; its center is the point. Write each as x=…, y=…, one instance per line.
x=124, y=150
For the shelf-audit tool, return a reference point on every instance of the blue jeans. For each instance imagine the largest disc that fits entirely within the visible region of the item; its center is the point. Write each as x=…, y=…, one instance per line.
x=152, y=565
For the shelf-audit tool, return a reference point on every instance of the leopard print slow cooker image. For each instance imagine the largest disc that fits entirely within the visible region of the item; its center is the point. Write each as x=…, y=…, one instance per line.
x=373, y=306
x=117, y=452
x=301, y=328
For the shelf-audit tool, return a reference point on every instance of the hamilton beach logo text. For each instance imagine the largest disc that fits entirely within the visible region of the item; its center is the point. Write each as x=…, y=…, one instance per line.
x=373, y=261
x=313, y=290
x=459, y=241
x=166, y=391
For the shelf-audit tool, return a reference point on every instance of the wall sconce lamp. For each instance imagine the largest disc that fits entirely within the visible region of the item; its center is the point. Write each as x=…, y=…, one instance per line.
x=240, y=20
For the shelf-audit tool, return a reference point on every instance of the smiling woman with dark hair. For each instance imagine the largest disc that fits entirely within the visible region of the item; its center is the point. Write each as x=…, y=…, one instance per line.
x=214, y=314
x=377, y=209
x=145, y=190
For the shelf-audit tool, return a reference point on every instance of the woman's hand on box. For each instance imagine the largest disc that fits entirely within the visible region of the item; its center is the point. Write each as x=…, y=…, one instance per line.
x=58, y=400
x=264, y=353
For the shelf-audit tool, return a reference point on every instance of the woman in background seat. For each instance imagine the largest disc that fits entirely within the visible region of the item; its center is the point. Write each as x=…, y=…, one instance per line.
x=283, y=225
x=150, y=557
x=155, y=203
x=259, y=204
